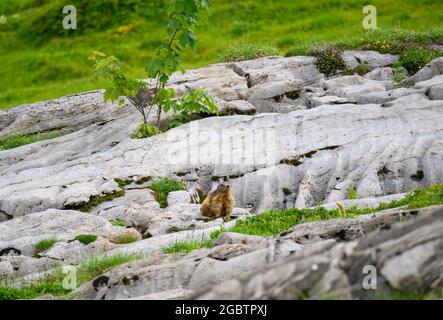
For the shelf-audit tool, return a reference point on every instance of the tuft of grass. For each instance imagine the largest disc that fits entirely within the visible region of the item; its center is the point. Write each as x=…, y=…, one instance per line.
x=352, y=194
x=125, y=238
x=95, y=266
x=18, y=141
x=44, y=245
x=362, y=68
x=399, y=74
x=273, y=222
x=247, y=50
x=415, y=59
x=163, y=187
x=118, y=223
x=186, y=246
x=30, y=292
x=86, y=271
x=96, y=200
x=123, y=183
x=145, y=131
x=86, y=238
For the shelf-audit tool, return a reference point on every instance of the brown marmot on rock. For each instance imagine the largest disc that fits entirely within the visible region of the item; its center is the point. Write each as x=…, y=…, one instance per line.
x=219, y=202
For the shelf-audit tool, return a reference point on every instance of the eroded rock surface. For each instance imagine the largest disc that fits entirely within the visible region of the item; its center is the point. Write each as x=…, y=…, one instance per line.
x=406, y=256
x=291, y=138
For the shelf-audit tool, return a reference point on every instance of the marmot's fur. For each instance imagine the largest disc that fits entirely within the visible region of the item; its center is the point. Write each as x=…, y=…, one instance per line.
x=219, y=202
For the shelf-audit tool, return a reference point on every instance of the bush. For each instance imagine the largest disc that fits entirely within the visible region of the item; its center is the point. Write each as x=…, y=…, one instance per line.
x=163, y=187
x=44, y=245
x=328, y=60
x=86, y=238
x=415, y=59
x=145, y=131
x=246, y=51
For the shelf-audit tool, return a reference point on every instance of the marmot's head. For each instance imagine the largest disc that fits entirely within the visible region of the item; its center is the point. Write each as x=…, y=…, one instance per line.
x=222, y=186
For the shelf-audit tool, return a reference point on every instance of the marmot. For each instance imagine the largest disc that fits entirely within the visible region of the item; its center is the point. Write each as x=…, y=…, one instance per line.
x=219, y=202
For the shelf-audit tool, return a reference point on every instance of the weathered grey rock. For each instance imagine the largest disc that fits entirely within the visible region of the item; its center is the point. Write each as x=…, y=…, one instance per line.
x=432, y=69
x=4, y=216
x=275, y=82
x=342, y=151
x=328, y=100
x=69, y=113
x=219, y=80
x=436, y=92
x=183, y=216
x=237, y=107
x=352, y=87
x=116, y=208
x=365, y=202
x=194, y=271
x=434, y=81
x=179, y=197
x=75, y=251
x=238, y=238
x=380, y=97
x=275, y=69
x=341, y=230
x=23, y=233
x=406, y=255
x=381, y=74
x=24, y=266
x=350, y=229
x=6, y=270
x=374, y=59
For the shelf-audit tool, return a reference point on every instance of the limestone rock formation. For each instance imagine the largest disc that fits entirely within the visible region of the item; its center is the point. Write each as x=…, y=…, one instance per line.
x=287, y=137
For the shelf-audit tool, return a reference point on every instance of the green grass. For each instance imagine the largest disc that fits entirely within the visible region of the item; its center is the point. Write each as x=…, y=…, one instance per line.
x=145, y=131
x=96, y=200
x=18, y=141
x=40, y=60
x=118, y=223
x=415, y=59
x=30, y=292
x=273, y=222
x=89, y=269
x=44, y=245
x=392, y=40
x=163, y=187
x=245, y=51
x=352, y=193
x=125, y=238
x=86, y=271
x=186, y=246
x=86, y=238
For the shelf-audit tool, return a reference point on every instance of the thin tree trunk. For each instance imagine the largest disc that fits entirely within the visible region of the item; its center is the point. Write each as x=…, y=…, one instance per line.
x=159, y=112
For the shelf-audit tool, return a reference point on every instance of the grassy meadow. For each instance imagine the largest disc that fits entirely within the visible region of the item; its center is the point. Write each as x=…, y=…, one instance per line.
x=40, y=60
